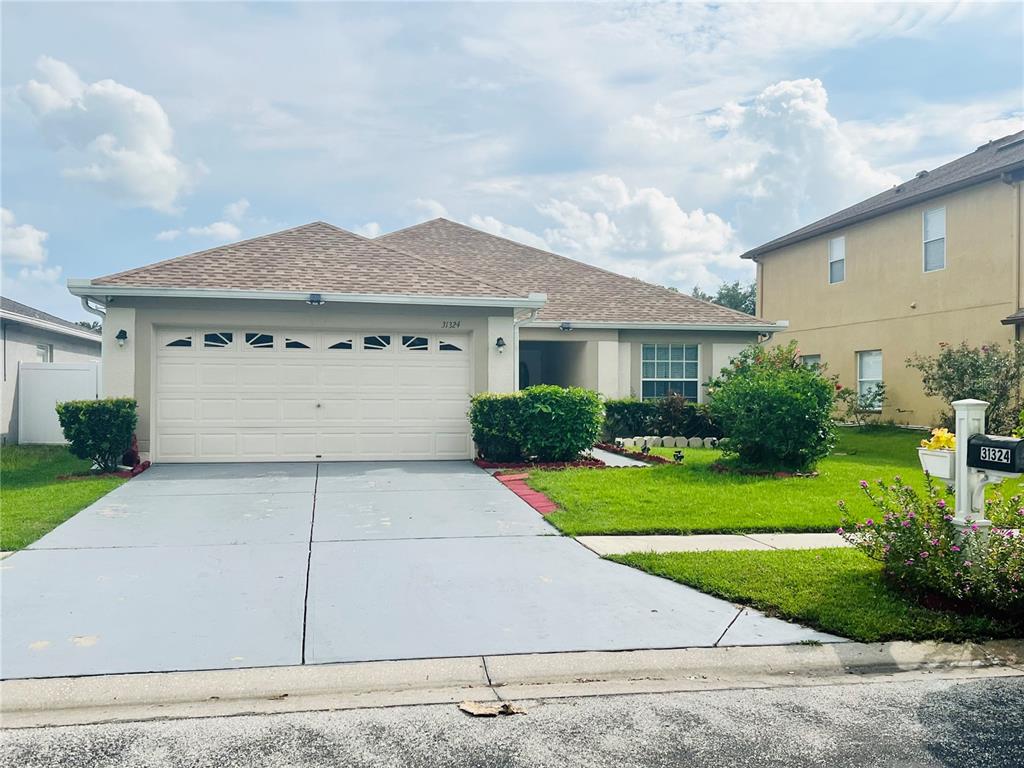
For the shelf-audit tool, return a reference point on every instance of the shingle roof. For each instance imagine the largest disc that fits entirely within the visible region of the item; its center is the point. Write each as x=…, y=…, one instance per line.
x=17, y=308
x=576, y=291
x=316, y=257
x=987, y=162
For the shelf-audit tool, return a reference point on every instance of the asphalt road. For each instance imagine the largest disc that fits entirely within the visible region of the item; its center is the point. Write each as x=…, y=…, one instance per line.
x=932, y=723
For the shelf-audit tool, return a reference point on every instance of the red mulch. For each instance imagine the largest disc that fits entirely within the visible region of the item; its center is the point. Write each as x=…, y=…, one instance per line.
x=517, y=484
x=649, y=458
x=137, y=469
x=592, y=463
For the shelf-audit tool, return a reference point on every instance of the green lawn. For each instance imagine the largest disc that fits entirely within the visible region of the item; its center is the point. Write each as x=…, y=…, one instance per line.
x=839, y=591
x=33, y=501
x=690, y=498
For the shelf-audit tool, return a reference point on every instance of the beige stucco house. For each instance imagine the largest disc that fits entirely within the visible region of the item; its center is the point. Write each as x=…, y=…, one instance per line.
x=30, y=335
x=935, y=259
x=318, y=343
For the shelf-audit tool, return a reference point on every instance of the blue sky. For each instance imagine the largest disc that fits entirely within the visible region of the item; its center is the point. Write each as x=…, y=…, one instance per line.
x=657, y=140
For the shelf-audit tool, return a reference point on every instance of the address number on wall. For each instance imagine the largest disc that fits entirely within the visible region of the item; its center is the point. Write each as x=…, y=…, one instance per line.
x=449, y=324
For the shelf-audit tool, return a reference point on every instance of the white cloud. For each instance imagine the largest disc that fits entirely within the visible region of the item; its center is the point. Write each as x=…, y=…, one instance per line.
x=236, y=211
x=431, y=208
x=122, y=138
x=496, y=227
x=370, y=229
x=21, y=243
x=218, y=230
x=168, y=235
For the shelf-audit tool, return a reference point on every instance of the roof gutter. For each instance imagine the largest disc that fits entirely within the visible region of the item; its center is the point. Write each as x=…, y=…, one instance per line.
x=86, y=288
x=754, y=327
x=786, y=241
x=46, y=325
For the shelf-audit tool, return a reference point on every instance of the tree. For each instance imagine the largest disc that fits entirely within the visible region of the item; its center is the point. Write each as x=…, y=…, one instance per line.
x=92, y=325
x=742, y=298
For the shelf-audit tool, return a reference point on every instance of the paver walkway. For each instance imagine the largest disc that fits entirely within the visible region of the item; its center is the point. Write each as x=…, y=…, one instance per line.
x=620, y=545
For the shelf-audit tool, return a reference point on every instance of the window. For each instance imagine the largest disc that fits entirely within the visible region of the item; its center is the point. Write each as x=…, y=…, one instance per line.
x=811, y=361
x=258, y=340
x=218, y=339
x=669, y=368
x=184, y=341
x=869, y=376
x=376, y=343
x=934, y=227
x=836, y=260
x=44, y=353
x=447, y=346
x=416, y=343
x=343, y=344
x=296, y=344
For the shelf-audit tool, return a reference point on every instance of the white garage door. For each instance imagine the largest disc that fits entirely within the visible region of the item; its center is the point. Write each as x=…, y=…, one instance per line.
x=265, y=394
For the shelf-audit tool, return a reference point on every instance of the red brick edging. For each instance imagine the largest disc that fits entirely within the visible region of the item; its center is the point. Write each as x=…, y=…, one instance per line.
x=517, y=484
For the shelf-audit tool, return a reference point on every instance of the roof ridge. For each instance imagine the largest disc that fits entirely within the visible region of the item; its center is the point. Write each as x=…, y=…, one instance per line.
x=205, y=251
x=435, y=265
x=669, y=291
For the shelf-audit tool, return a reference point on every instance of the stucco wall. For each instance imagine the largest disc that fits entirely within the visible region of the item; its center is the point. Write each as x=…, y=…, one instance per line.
x=888, y=302
x=19, y=344
x=131, y=367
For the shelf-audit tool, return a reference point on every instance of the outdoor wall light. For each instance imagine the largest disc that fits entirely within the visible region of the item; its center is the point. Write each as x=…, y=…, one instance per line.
x=315, y=300
x=122, y=337
x=500, y=345
x=565, y=327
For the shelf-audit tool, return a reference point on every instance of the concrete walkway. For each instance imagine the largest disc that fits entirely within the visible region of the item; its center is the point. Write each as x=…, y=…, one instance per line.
x=615, y=460
x=620, y=545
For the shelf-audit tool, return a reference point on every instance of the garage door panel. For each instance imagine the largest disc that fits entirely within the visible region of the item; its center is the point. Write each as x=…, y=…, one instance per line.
x=238, y=402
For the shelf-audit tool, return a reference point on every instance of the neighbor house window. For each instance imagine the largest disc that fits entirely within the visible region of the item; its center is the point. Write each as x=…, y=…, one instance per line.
x=667, y=368
x=836, y=260
x=811, y=361
x=44, y=353
x=934, y=239
x=869, y=377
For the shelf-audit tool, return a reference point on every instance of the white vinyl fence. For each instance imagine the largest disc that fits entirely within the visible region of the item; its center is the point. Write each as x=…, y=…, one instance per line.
x=41, y=386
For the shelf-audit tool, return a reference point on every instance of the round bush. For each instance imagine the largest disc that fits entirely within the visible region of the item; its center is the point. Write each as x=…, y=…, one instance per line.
x=776, y=412
x=100, y=430
x=495, y=422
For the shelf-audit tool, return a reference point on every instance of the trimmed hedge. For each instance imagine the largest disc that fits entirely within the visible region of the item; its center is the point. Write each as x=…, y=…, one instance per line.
x=100, y=430
x=541, y=423
x=673, y=415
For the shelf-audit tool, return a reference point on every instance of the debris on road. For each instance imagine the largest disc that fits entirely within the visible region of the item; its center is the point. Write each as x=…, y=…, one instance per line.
x=490, y=708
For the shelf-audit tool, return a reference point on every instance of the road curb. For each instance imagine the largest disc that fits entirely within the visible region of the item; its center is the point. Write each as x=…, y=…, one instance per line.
x=172, y=695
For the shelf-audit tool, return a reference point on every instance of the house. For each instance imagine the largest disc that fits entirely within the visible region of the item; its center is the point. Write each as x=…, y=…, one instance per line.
x=32, y=336
x=936, y=259
x=317, y=343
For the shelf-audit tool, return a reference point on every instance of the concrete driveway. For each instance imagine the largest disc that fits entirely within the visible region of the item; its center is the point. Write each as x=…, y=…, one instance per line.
x=215, y=566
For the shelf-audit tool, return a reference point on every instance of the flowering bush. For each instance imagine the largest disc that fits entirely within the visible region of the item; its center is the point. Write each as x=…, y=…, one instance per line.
x=941, y=440
x=925, y=554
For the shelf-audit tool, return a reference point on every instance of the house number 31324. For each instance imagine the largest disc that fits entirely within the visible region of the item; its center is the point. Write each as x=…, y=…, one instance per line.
x=451, y=323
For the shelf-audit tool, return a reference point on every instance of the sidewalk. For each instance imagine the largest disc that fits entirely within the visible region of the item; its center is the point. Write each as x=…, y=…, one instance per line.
x=621, y=545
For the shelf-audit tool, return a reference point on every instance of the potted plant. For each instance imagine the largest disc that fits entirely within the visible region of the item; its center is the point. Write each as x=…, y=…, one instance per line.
x=938, y=454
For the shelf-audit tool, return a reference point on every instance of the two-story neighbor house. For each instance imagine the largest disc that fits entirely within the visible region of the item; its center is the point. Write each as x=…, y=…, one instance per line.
x=935, y=259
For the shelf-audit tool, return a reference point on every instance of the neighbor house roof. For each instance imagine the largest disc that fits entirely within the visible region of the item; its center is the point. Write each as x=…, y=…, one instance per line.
x=17, y=312
x=987, y=162
x=576, y=292
x=316, y=257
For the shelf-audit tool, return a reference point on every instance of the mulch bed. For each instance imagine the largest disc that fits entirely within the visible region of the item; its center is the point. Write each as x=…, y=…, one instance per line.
x=136, y=470
x=725, y=469
x=649, y=458
x=585, y=463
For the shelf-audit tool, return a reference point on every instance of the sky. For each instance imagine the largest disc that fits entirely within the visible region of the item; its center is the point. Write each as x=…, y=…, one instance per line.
x=658, y=140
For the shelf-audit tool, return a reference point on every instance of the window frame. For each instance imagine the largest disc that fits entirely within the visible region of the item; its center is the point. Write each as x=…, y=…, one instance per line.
x=804, y=361
x=44, y=350
x=832, y=260
x=881, y=373
x=925, y=240
x=683, y=360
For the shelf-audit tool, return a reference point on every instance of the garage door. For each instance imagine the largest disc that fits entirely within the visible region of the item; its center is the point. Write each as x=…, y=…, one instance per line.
x=266, y=394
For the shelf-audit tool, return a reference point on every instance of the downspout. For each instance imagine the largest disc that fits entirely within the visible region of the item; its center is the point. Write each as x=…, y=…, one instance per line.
x=93, y=310
x=516, y=322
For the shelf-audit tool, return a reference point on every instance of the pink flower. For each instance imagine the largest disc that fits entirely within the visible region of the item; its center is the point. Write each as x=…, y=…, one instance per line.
x=954, y=548
x=923, y=554
x=840, y=531
x=941, y=504
x=869, y=522
x=864, y=484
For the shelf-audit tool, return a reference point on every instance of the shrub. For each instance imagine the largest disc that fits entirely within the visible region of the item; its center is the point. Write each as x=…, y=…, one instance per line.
x=495, y=422
x=1019, y=432
x=629, y=417
x=541, y=423
x=100, y=430
x=924, y=554
x=775, y=411
x=987, y=373
x=860, y=408
x=675, y=415
x=558, y=424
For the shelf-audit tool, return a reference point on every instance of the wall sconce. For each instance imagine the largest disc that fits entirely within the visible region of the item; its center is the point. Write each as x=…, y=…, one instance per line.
x=500, y=345
x=121, y=337
x=565, y=327
x=315, y=300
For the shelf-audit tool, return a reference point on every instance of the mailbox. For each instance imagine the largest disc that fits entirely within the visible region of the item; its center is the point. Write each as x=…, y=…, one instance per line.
x=996, y=454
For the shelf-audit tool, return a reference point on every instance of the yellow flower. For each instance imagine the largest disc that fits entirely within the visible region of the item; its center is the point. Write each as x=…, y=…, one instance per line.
x=941, y=440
